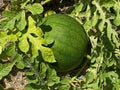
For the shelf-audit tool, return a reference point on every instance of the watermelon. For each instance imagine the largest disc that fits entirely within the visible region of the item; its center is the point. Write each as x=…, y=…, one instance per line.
x=67, y=39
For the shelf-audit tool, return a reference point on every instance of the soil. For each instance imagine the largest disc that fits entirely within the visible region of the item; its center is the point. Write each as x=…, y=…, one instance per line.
x=16, y=80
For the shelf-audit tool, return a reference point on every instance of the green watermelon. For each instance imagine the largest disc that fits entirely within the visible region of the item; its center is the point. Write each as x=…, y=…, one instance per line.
x=67, y=39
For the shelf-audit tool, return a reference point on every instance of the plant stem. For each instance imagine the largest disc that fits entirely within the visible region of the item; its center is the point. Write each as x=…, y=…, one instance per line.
x=44, y=2
x=83, y=66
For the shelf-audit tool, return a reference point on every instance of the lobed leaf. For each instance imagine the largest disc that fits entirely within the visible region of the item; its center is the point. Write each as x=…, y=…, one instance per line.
x=36, y=8
x=52, y=77
x=5, y=39
x=7, y=67
x=43, y=70
x=35, y=36
x=22, y=23
x=23, y=44
x=19, y=62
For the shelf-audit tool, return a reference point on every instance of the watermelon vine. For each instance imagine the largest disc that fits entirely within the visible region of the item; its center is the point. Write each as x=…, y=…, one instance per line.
x=23, y=44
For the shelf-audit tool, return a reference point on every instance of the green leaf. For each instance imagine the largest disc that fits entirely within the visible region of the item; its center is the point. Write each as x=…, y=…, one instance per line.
x=110, y=32
x=32, y=87
x=93, y=86
x=94, y=19
x=94, y=41
x=47, y=54
x=23, y=4
x=35, y=36
x=116, y=39
x=6, y=68
x=36, y=8
x=102, y=15
x=64, y=87
x=23, y=44
x=11, y=23
x=48, y=39
x=29, y=73
x=14, y=19
x=19, y=62
x=49, y=12
x=101, y=25
x=32, y=79
x=90, y=76
x=10, y=49
x=9, y=14
x=88, y=24
x=5, y=39
x=107, y=3
x=117, y=20
x=107, y=42
x=77, y=9
x=43, y=70
x=52, y=77
x=65, y=81
x=29, y=87
x=22, y=23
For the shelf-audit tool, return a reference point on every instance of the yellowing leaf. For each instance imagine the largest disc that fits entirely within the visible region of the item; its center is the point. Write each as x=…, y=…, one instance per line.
x=32, y=29
x=35, y=36
x=47, y=54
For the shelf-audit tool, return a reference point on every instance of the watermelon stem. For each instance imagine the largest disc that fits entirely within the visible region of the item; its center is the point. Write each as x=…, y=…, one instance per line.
x=78, y=73
x=44, y=2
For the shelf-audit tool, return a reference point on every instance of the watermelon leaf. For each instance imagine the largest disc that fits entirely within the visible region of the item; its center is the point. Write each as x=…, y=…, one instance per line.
x=7, y=67
x=22, y=23
x=23, y=44
x=52, y=77
x=36, y=8
x=35, y=36
x=19, y=62
x=5, y=39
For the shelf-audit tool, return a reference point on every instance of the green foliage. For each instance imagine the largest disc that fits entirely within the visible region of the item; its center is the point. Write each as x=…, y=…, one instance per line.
x=1, y=87
x=35, y=36
x=22, y=45
x=40, y=76
x=101, y=21
x=36, y=8
x=6, y=67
